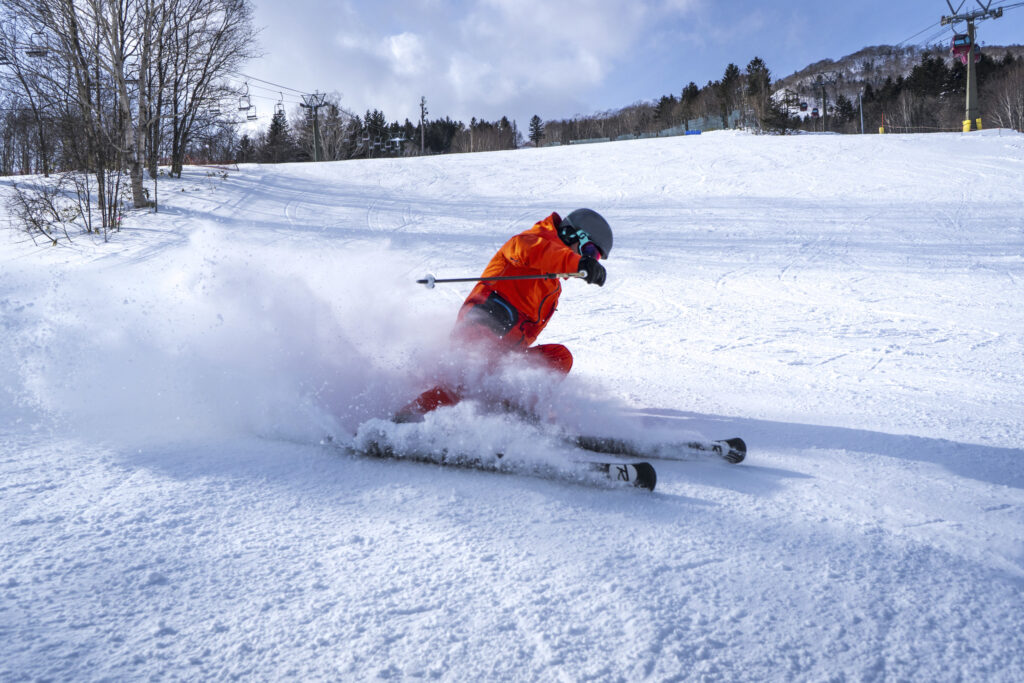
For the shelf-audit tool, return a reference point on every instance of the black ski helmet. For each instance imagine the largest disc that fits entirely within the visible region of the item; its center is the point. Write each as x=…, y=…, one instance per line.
x=589, y=225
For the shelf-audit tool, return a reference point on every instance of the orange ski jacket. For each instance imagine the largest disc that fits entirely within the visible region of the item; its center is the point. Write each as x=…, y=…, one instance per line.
x=536, y=251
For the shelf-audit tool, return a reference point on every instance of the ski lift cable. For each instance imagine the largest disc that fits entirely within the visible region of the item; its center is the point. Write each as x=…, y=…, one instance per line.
x=999, y=4
x=939, y=23
x=275, y=99
x=927, y=28
x=276, y=85
x=939, y=34
x=274, y=90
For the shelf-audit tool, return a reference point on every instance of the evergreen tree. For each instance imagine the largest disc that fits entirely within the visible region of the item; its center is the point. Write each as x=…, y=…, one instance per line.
x=439, y=135
x=869, y=93
x=759, y=88
x=845, y=110
x=376, y=124
x=536, y=130
x=246, y=150
x=776, y=118
x=890, y=90
x=664, y=112
x=929, y=78
x=729, y=92
x=688, y=100
x=279, y=146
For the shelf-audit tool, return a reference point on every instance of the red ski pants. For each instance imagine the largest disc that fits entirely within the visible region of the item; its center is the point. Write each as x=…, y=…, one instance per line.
x=552, y=356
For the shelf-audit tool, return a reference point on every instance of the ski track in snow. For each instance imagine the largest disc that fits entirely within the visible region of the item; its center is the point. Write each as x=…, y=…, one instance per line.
x=848, y=305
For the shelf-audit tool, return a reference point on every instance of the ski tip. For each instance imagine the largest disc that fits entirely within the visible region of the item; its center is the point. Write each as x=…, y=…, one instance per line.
x=646, y=477
x=737, y=450
x=737, y=444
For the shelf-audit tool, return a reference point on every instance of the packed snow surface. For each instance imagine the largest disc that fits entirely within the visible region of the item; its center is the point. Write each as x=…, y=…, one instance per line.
x=853, y=307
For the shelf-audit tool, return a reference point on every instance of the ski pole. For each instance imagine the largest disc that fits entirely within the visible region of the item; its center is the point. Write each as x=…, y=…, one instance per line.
x=429, y=280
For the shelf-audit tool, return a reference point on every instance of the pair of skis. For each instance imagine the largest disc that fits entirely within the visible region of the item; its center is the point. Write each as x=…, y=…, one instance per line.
x=629, y=466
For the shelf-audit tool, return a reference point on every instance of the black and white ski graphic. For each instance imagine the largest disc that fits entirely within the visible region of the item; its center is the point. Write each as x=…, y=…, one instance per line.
x=731, y=450
x=576, y=467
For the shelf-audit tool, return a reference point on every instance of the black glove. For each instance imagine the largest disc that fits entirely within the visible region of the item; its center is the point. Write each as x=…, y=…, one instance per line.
x=595, y=271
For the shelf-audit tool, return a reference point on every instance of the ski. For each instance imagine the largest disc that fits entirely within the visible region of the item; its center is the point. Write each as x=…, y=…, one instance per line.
x=583, y=470
x=639, y=474
x=731, y=450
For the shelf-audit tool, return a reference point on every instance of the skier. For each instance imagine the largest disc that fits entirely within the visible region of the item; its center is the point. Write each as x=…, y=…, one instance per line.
x=501, y=317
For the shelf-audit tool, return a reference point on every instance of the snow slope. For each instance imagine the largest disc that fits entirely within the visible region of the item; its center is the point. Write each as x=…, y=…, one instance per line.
x=851, y=306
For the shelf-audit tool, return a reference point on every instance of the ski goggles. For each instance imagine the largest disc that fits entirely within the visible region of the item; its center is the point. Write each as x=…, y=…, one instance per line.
x=588, y=248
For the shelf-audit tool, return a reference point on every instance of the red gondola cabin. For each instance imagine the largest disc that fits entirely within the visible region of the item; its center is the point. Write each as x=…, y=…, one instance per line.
x=961, y=48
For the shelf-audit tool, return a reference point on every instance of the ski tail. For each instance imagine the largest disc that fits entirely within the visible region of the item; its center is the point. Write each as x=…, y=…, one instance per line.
x=736, y=451
x=640, y=474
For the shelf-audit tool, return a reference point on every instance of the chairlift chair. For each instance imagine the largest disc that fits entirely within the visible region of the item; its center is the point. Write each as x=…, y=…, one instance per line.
x=814, y=113
x=803, y=106
x=251, y=115
x=244, y=103
x=37, y=47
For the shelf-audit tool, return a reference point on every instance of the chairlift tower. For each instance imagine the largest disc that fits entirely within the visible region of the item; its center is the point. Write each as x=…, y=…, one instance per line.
x=972, y=117
x=824, y=79
x=314, y=102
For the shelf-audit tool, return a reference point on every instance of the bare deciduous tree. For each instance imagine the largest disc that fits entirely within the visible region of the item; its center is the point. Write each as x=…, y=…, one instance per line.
x=1006, y=105
x=100, y=78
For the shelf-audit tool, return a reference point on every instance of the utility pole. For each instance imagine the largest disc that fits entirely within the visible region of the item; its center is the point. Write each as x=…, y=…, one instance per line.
x=972, y=116
x=314, y=102
x=423, y=125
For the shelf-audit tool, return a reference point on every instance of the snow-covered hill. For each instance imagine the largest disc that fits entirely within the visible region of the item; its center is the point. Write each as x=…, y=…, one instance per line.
x=849, y=75
x=851, y=306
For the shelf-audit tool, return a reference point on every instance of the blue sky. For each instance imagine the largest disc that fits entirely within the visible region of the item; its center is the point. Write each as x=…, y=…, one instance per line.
x=488, y=58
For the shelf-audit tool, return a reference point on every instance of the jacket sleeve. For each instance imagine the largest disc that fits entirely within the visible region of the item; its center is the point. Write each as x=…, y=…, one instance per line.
x=535, y=253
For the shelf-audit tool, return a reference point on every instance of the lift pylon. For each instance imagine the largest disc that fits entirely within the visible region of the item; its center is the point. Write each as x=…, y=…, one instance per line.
x=972, y=115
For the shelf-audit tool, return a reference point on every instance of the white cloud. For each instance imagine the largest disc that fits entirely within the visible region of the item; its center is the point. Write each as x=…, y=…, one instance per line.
x=486, y=58
x=406, y=53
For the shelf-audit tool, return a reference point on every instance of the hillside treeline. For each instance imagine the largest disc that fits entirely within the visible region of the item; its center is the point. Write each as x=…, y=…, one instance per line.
x=930, y=98
x=344, y=135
